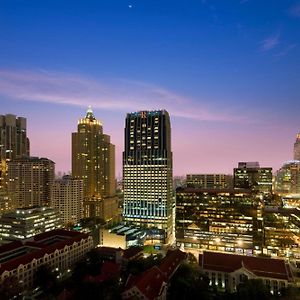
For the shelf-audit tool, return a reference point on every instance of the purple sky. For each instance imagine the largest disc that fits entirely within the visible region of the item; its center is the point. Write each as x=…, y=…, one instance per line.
x=227, y=73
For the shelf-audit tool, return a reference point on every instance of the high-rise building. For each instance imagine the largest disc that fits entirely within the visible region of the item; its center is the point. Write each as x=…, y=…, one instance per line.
x=13, y=144
x=297, y=148
x=67, y=199
x=147, y=171
x=25, y=223
x=249, y=175
x=287, y=179
x=30, y=180
x=209, y=181
x=93, y=161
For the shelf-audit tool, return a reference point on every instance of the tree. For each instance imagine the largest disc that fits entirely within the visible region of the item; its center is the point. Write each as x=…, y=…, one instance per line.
x=45, y=279
x=253, y=289
x=189, y=282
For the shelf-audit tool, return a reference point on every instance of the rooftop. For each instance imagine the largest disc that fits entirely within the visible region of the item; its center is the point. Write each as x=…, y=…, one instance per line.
x=228, y=263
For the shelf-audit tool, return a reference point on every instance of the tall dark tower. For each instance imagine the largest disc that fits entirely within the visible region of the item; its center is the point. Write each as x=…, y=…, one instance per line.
x=147, y=171
x=93, y=161
x=297, y=148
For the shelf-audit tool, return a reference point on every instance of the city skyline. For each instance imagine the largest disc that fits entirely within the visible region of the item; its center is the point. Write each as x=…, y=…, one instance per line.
x=228, y=71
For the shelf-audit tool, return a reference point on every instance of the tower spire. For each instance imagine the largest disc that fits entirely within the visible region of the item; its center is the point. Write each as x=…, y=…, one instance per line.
x=89, y=113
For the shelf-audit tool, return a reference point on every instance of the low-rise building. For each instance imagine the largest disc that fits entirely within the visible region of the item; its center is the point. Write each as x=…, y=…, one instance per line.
x=122, y=236
x=227, y=271
x=24, y=223
x=153, y=283
x=223, y=220
x=59, y=249
x=209, y=181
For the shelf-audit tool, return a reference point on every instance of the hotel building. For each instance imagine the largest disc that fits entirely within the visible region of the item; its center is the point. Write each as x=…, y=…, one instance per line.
x=147, y=171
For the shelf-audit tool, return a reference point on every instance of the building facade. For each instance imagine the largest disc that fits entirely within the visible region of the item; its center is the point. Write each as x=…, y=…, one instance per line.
x=221, y=220
x=24, y=223
x=93, y=161
x=287, y=179
x=147, y=171
x=227, y=271
x=209, y=181
x=297, y=148
x=14, y=143
x=249, y=175
x=58, y=249
x=67, y=199
x=30, y=181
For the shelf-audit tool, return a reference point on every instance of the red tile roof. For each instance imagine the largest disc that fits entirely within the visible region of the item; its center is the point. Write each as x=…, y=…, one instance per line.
x=132, y=252
x=38, y=248
x=171, y=262
x=262, y=267
x=151, y=282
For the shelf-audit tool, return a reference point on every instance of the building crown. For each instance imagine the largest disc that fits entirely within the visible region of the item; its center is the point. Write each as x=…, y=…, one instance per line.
x=90, y=114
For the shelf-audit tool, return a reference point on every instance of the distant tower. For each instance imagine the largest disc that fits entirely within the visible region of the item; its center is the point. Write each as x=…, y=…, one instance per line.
x=93, y=161
x=147, y=170
x=297, y=148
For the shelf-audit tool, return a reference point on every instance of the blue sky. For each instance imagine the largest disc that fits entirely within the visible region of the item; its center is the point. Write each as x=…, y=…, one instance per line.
x=227, y=71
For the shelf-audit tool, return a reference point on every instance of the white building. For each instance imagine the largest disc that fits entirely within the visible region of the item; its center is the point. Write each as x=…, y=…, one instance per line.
x=227, y=271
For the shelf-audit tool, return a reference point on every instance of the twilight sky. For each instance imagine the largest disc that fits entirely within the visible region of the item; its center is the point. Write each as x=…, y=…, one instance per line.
x=228, y=72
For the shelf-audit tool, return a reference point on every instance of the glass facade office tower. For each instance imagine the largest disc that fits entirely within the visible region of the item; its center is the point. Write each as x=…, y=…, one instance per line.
x=297, y=148
x=147, y=171
x=93, y=161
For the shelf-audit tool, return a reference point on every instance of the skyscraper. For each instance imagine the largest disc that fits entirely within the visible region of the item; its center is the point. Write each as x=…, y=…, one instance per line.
x=30, y=181
x=147, y=170
x=13, y=144
x=297, y=148
x=93, y=161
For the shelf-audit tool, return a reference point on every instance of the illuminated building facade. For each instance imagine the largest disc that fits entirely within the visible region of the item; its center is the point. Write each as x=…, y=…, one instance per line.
x=227, y=271
x=67, y=199
x=13, y=144
x=93, y=161
x=58, y=249
x=222, y=220
x=209, y=181
x=147, y=171
x=297, y=148
x=249, y=175
x=30, y=180
x=24, y=223
x=287, y=181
